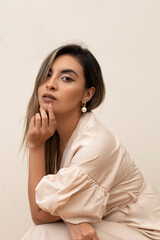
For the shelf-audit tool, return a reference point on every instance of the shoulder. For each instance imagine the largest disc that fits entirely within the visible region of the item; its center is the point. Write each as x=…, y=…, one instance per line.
x=94, y=139
x=95, y=149
x=92, y=130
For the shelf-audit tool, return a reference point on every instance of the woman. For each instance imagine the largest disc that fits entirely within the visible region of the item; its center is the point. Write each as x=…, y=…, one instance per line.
x=81, y=178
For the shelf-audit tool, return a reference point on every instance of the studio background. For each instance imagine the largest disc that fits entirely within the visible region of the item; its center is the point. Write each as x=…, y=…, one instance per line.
x=124, y=36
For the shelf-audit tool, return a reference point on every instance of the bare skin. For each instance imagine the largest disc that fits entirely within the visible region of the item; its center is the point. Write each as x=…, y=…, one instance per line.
x=43, y=126
x=40, y=130
x=82, y=231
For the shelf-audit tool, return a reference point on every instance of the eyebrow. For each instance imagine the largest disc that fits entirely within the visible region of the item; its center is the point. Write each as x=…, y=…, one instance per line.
x=69, y=70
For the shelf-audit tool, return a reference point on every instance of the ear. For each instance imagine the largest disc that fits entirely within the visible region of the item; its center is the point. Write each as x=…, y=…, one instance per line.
x=89, y=92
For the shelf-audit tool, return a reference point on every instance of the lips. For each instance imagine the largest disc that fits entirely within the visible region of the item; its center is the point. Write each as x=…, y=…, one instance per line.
x=48, y=97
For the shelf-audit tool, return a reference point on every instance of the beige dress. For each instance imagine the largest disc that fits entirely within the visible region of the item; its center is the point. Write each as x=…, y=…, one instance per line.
x=98, y=183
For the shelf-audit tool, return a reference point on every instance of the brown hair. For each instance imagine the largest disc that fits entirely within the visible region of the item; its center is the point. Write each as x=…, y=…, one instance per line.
x=93, y=77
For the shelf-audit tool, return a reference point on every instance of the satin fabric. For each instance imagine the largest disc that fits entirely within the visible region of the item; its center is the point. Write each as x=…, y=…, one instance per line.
x=99, y=183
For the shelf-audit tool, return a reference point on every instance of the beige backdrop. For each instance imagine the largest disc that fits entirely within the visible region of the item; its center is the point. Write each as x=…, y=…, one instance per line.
x=124, y=35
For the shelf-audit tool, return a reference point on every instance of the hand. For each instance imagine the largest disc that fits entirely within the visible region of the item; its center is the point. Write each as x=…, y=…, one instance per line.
x=82, y=231
x=41, y=127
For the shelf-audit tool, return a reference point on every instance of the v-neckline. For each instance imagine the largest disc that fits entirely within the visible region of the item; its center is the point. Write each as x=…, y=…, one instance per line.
x=71, y=138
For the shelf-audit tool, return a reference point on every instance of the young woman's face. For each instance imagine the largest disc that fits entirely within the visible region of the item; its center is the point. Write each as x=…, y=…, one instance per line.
x=64, y=87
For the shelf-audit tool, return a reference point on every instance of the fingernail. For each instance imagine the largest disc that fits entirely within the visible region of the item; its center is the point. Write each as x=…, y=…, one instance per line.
x=50, y=105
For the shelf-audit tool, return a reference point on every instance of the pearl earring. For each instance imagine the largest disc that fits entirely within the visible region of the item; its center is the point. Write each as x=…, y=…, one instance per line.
x=83, y=109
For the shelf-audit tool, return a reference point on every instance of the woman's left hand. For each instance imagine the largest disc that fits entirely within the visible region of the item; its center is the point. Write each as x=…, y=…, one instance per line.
x=82, y=231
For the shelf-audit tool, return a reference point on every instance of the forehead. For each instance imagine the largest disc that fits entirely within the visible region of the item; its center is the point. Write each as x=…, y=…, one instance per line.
x=66, y=62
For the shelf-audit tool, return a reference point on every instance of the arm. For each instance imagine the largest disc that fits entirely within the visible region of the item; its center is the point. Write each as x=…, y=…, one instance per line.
x=40, y=129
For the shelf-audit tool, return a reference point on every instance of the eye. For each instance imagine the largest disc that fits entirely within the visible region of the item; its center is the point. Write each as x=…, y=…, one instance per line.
x=49, y=74
x=67, y=79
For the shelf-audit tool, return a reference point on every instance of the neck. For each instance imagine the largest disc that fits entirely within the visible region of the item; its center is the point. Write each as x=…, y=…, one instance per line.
x=66, y=123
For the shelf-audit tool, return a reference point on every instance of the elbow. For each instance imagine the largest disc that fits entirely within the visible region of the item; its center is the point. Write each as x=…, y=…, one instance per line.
x=36, y=218
x=36, y=222
x=41, y=217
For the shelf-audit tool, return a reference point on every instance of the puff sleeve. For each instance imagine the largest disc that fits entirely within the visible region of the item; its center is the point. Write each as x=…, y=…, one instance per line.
x=73, y=195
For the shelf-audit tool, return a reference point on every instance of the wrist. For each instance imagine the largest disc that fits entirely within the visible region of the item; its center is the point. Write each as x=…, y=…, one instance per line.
x=36, y=147
x=37, y=158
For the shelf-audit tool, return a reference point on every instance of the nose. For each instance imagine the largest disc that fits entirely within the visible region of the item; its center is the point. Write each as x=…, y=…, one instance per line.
x=51, y=83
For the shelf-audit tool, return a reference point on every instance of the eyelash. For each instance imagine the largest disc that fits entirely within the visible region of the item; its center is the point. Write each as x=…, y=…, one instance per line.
x=49, y=74
x=68, y=79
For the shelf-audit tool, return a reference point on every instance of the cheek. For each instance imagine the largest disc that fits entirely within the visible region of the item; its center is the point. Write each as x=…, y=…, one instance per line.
x=74, y=94
x=39, y=92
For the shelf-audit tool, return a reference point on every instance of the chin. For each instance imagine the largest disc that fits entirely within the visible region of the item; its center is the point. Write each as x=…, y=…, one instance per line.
x=45, y=106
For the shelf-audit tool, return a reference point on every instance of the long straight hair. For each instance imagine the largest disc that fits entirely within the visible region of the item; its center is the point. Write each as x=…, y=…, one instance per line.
x=93, y=78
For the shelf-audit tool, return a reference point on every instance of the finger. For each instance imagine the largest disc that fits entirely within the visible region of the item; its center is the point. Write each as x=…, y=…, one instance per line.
x=44, y=117
x=94, y=236
x=51, y=115
x=32, y=123
x=38, y=121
